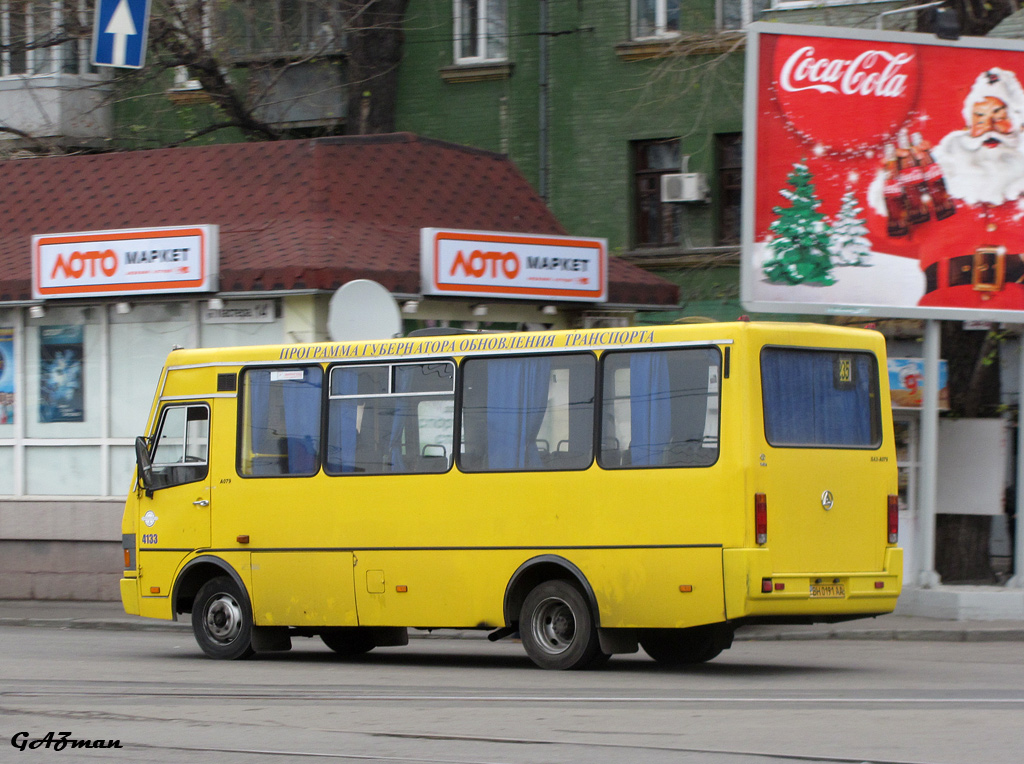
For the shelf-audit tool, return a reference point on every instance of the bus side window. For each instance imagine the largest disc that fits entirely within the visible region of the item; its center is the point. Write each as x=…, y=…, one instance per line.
x=182, y=446
x=280, y=422
x=528, y=413
x=661, y=408
x=390, y=418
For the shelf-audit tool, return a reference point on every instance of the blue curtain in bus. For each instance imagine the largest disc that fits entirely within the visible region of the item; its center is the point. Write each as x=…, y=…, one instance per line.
x=259, y=411
x=650, y=407
x=301, y=400
x=517, y=398
x=344, y=417
x=804, y=406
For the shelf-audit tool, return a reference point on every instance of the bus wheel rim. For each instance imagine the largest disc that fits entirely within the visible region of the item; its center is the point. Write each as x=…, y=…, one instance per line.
x=554, y=626
x=223, y=619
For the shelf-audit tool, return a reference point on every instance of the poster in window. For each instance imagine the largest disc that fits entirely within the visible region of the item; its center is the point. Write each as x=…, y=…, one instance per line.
x=61, y=374
x=6, y=375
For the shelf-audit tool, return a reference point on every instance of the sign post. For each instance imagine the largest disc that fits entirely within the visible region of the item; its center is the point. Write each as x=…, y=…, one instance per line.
x=119, y=33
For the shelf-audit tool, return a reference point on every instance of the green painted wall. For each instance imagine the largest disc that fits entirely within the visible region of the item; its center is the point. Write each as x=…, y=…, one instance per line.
x=598, y=103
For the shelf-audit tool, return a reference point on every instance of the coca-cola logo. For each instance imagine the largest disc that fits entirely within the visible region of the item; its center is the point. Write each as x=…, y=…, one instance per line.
x=844, y=95
x=861, y=76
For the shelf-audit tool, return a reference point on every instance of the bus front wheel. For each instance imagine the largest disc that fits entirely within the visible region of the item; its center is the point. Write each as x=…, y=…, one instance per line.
x=222, y=620
x=557, y=627
x=680, y=647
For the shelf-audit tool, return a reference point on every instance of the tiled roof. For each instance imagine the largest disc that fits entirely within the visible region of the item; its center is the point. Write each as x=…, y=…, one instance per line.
x=292, y=214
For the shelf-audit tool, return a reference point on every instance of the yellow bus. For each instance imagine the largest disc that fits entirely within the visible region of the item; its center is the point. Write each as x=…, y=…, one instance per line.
x=593, y=491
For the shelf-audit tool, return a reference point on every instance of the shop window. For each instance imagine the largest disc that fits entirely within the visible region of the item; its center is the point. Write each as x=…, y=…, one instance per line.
x=280, y=422
x=391, y=419
x=729, y=164
x=524, y=414
x=656, y=223
x=481, y=31
x=660, y=408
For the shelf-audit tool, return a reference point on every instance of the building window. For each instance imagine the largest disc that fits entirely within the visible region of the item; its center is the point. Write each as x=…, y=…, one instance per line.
x=26, y=26
x=481, y=31
x=656, y=224
x=736, y=14
x=729, y=163
x=279, y=27
x=655, y=18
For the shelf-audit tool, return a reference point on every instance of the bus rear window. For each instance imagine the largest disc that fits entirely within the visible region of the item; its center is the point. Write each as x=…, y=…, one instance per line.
x=820, y=398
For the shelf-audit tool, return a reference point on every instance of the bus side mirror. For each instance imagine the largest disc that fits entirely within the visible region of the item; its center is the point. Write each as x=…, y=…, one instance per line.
x=145, y=465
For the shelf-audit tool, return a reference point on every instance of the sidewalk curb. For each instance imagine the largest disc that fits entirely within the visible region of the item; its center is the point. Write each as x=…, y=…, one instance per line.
x=878, y=635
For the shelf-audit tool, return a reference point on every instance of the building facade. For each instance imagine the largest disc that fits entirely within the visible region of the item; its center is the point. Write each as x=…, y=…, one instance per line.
x=289, y=223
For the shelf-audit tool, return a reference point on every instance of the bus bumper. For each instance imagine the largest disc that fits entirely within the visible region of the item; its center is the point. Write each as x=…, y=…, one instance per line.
x=130, y=595
x=753, y=589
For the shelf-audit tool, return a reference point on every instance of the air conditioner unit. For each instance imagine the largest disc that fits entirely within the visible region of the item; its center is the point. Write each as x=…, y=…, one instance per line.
x=684, y=187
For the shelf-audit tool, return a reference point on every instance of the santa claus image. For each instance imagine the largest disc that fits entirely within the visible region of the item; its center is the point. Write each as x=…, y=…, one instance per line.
x=973, y=259
x=983, y=163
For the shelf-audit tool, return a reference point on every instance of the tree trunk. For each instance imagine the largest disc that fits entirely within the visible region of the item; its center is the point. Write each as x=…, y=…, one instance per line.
x=962, y=549
x=375, y=41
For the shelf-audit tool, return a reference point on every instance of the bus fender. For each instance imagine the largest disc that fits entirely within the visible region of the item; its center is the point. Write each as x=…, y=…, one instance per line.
x=537, y=570
x=196, y=572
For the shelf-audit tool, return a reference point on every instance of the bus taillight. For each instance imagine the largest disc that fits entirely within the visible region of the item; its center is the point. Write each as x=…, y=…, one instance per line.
x=760, y=518
x=894, y=518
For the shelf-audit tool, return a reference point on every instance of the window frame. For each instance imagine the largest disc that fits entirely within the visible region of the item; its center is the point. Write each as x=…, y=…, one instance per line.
x=183, y=472
x=602, y=400
x=70, y=57
x=479, y=33
x=244, y=422
x=670, y=214
x=460, y=412
x=390, y=394
x=874, y=394
x=661, y=17
x=729, y=179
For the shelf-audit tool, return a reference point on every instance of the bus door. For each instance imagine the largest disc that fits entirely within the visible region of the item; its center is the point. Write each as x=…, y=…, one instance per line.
x=174, y=510
x=828, y=463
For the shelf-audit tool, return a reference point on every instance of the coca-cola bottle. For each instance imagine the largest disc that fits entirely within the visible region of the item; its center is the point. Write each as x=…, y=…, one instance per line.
x=912, y=179
x=942, y=205
x=895, y=198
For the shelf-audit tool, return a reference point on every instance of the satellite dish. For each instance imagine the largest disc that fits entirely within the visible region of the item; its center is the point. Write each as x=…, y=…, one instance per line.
x=363, y=310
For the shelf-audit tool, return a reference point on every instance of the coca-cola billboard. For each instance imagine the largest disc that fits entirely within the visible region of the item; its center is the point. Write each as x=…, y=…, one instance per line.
x=884, y=174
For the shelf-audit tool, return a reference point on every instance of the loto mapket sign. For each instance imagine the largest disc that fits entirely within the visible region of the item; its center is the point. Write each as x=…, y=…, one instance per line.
x=884, y=174
x=125, y=262
x=513, y=265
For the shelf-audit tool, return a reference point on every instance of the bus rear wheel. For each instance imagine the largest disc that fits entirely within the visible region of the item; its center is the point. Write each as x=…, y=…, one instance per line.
x=557, y=627
x=681, y=647
x=222, y=620
x=348, y=641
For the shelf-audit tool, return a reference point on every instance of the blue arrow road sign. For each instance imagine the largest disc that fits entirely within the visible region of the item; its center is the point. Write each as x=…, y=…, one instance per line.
x=119, y=33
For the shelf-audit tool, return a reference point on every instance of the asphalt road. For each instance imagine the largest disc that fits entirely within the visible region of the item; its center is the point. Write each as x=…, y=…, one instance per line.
x=474, y=702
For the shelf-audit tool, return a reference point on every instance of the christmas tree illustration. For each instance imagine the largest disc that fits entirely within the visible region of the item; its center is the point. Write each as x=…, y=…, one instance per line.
x=848, y=241
x=799, y=244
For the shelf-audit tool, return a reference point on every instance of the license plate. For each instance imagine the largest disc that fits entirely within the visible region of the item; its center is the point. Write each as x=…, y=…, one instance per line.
x=825, y=591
